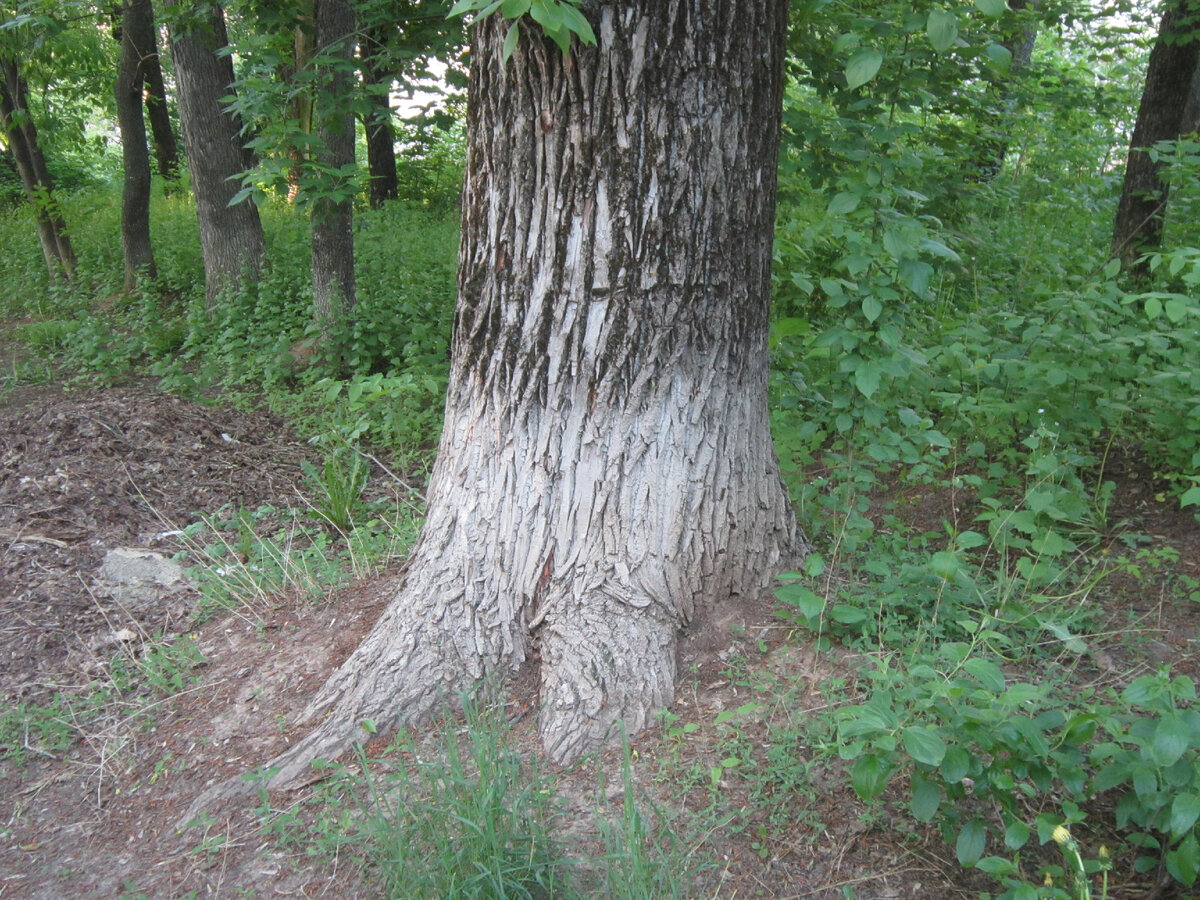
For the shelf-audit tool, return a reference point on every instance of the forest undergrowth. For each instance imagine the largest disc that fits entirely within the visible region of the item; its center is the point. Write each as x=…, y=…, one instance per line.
x=960, y=386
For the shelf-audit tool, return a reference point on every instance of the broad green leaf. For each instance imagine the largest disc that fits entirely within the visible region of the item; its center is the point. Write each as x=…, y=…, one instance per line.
x=1185, y=810
x=924, y=745
x=1191, y=497
x=971, y=843
x=514, y=9
x=926, y=799
x=945, y=564
x=575, y=22
x=1142, y=690
x=1016, y=835
x=808, y=603
x=894, y=243
x=956, y=764
x=848, y=615
x=965, y=540
x=842, y=203
x=1112, y=267
x=863, y=66
x=869, y=775
x=1050, y=543
x=846, y=41
x=560, y=36
x=548, y=14
x=937, y=248
x=1145, y=780
x=1176, y=309
x=991, y=8
x=866, y=378
x=915, y=275
x=1171, y=739
x=1184, y=861
x=999, y=58
x=510, y=40
x=871, y=308
x=1154, y=307
x=942, y=29
x=997, y=865
x=987, y=673
x=867, y=719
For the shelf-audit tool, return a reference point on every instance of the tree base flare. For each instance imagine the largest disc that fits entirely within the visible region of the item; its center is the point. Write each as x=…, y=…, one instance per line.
x=606, y=671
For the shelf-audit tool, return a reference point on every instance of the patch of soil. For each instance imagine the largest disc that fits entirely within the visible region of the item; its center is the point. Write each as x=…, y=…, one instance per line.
x=126, y=467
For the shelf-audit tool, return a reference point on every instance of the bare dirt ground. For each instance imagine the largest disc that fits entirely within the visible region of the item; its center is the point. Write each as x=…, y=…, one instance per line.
x=85, y=472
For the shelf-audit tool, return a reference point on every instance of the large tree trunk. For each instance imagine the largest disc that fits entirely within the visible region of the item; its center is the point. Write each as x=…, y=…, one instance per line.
x=230, y=236
x=137, y=44
x=606, y=474
x=333, y=217
x=381, y=137
x=22, y=138
x=1142, y=208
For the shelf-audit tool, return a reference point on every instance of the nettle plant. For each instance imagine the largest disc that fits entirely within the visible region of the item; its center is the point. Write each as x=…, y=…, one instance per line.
x=982, y=755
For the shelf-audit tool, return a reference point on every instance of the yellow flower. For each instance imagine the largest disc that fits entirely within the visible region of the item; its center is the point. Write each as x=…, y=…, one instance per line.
x=1103, y=852
x=1061, y=835
x=1048, y=881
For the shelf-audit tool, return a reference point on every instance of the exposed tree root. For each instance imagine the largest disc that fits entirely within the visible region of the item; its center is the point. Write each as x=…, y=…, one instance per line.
x=607, y=669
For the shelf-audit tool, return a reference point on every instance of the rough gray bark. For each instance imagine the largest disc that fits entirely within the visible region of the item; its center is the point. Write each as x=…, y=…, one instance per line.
x=1161, y=117
x=22, y=138
x=137, y=45
x=606, y=473
x=231, y=237
x=333, y=218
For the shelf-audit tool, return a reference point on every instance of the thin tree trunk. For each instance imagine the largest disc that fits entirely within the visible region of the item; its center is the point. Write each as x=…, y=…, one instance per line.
x=230, y=236
x=302, y=105
x=333, y=217
x=606, y=474
x=166, y=148
x=1020, y=43
x=137, y=45
x=35, y=177
x=381, y=137
x=1172, y=67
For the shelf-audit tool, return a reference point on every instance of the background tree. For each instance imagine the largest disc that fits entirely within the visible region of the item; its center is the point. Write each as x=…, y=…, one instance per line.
x=402, y=46
x=230, y=235
x=22, y=139
x=1161, y=117
x=138, y=44
x=381, y=137
x=1020, y=35
x=158, y=112
x=333, y=207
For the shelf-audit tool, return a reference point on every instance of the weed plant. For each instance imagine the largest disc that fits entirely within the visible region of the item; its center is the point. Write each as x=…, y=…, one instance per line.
x=461, y=812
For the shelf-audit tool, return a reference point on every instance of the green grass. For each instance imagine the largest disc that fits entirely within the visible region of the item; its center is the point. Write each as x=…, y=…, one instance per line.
x=459, y=812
